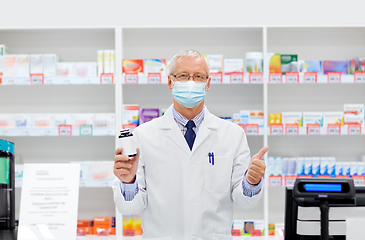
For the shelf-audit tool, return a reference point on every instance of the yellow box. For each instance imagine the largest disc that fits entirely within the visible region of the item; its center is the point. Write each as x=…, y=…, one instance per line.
x=274, y=118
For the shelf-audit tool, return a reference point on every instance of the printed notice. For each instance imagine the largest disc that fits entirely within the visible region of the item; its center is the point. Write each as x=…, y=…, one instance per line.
x=49, y=201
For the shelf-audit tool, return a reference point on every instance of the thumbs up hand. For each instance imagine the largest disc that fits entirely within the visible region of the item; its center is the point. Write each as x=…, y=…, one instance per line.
x=256, y=169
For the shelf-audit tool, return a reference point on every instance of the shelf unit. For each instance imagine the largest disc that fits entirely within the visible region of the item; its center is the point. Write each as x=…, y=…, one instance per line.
x=310, y=43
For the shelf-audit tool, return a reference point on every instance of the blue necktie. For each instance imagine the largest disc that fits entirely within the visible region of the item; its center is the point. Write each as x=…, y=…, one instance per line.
x=190, y=134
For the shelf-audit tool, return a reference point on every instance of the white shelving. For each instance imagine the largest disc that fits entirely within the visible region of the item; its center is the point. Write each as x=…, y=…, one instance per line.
x=88, y=95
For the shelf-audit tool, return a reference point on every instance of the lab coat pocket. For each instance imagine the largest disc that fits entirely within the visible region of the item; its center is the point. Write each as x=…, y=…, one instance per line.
x=218, y=174
x=221, y=237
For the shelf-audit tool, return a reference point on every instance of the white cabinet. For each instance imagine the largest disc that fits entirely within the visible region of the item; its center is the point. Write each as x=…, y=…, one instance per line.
x=71, y=45
x=310, y=43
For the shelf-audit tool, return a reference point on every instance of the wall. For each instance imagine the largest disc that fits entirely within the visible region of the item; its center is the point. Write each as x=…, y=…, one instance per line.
x=92, y=13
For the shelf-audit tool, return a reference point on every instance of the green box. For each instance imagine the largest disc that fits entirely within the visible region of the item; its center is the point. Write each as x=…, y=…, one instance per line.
x=289, y=63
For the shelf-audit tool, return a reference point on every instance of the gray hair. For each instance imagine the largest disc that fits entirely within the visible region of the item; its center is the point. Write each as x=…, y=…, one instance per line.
x=187, y=53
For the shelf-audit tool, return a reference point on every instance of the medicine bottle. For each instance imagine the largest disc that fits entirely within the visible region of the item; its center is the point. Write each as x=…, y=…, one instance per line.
x=126, y=141
x=7, y=185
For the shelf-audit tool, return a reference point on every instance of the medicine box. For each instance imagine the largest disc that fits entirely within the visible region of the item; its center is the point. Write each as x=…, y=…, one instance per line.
x=7, y=120
x=86, y=69
x=64, y=119
x=36, y=63
x=66, y=69
x=22, y=65
x=335, y=66
x=10, y=66
x=353, y=119
x=312, y=66
x=44, y=120
x=316, y=166
x=233, y=66
x=24, y=120
x=3, y=50
x=291, y=118
x=274, y=60
x=133, y=66
x=81, y=119
x=100, y=62
x=244, y=117
x=215, y=62
x=155, y=66
x=256, y=117
x=130, y=115
x=49, y=65
x=332, y=118
x=104, y=120
x=147, y=114
x=289, y=63
x=274, y=118
x=355, y=109
x=106, y=61
x=312, y=118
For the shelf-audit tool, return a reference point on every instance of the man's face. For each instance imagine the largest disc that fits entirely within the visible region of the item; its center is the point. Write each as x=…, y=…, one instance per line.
x=190, y=66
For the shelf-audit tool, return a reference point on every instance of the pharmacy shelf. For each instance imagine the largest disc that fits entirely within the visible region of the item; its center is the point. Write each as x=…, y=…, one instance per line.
x=95, y=237
x=342, y=130
x=76, y=131
x=53, y=81
x=320, y=78
x=227, y=79
x=112, y=237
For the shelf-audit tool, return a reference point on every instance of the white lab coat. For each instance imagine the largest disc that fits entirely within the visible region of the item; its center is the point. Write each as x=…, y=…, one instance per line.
x=182, y=195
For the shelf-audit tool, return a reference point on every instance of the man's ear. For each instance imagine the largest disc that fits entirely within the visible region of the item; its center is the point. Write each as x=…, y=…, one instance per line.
x=169, y=83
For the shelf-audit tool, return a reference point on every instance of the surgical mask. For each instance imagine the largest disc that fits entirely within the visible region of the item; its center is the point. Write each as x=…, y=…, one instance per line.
x=189, y=93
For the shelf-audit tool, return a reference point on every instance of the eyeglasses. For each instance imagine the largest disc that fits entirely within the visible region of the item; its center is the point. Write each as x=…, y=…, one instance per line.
x=186, y=77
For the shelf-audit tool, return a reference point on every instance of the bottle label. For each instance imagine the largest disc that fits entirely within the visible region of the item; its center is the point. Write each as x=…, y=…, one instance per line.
x=4, y=170
x=127, y=143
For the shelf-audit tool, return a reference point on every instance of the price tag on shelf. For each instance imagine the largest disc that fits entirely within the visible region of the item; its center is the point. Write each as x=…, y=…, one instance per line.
x=24, y=132
x=313, y=129
x=64, y=130
x=276, y=129
x=252, y=129
x=334, y=129
x=358, y=180
x=333, y=77
x=256, y=233
x=154, y=78
x=236, y=232
x=310, y=77
x=67, y=81
x=236, y=77
x=359, y=77
x=106, y=78
x=131, y=78
x=86, y=130
x=216, y=77
x=128, y=232
x=324, y=176
x=291, y=129
x=289, y=180
x=9, y=81
x=354, y=129
x=1, y=77
x=275, y=181
x=342, y=176
x=292, y=77
x=47, y=132
x=3, y=132
x=255, y=77
x=275, y=77
x=37, y=78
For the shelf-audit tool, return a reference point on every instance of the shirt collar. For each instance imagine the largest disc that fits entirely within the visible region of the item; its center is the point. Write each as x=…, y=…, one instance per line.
x=180, y=119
